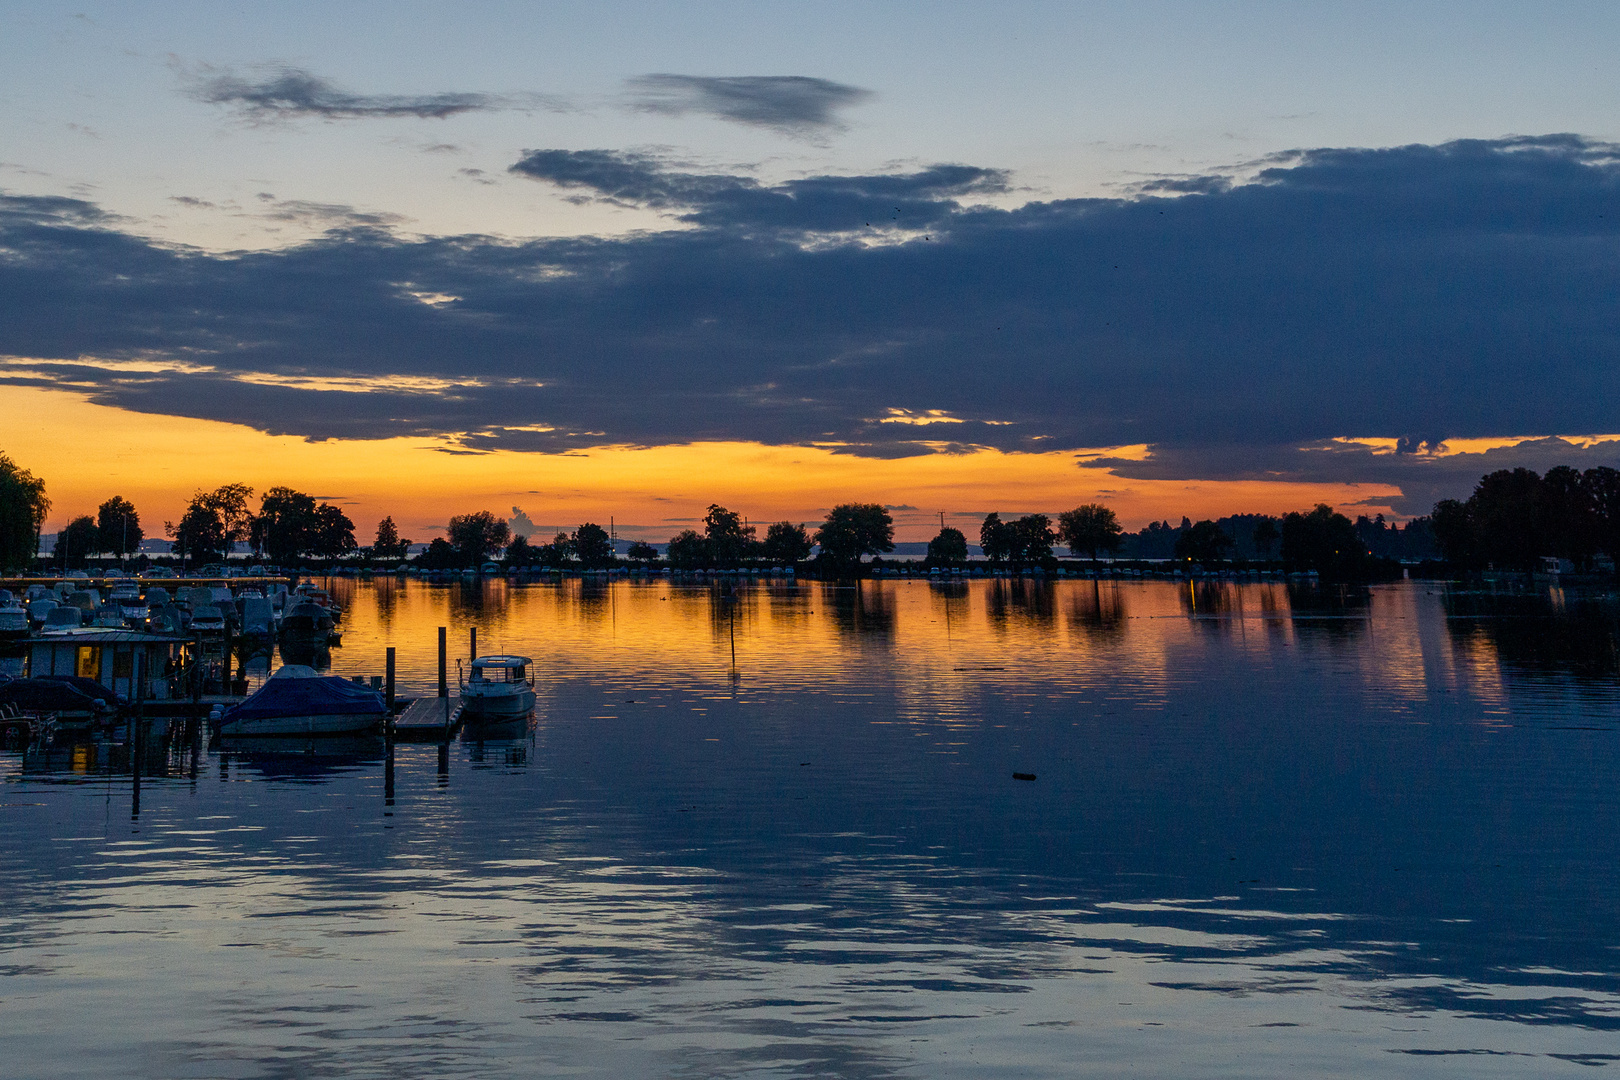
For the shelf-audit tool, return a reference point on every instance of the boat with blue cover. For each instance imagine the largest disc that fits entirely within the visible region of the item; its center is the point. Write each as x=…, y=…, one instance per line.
x=298, y=700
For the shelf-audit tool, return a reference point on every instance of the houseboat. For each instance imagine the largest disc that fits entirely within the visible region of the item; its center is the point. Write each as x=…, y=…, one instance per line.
x=107, y=656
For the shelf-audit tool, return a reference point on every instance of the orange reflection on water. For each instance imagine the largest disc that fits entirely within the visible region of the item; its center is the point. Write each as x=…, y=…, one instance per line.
x=933, y=648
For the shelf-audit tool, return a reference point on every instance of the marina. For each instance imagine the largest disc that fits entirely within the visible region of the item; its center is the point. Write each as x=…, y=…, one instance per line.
x=957, y=829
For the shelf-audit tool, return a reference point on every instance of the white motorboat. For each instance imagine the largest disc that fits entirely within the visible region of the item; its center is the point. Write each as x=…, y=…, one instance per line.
x=297, y=700
x=207, y=620
x=498, y=687
x=13, y=622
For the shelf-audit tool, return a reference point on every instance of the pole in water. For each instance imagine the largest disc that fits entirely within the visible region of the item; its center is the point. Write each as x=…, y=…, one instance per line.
x=388, y=734
x=472, y=644
x=444, y=685
x=135, y=746
x=388, y=685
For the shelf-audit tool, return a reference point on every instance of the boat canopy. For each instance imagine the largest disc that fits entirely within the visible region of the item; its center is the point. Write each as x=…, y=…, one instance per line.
x=500, y=668
x=50, y=695
x=299, y=690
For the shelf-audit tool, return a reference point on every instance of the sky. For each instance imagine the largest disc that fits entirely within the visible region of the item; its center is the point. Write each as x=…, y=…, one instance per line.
x=624, y=260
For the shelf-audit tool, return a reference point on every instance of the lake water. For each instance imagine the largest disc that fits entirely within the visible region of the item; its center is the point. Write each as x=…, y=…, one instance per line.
x=1272, y=832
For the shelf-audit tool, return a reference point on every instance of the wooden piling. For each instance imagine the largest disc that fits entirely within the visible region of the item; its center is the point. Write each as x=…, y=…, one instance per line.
x=135, y=744
x=444, y=684
x=388, y=687
x=472, y=646
x=388, y=731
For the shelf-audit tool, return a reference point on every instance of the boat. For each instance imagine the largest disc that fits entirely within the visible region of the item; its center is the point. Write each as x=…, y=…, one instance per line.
x=311, y=593
x=306, y=622
x=498, y=687
x=128, y=599
x=13, y=621
x=298, y=700
x=63, y=697
x=207, y=619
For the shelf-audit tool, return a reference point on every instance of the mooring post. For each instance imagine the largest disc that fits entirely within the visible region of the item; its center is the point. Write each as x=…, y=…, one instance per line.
x=135, y=746
x=388, y=732
x=472, y=646
x=388, y=685
x=444, y=685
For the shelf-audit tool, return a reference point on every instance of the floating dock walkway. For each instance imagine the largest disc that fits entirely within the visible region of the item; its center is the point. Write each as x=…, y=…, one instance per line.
x=428, y=719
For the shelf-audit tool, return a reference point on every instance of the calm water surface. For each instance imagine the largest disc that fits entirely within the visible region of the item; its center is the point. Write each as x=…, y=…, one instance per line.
x=1273, y=833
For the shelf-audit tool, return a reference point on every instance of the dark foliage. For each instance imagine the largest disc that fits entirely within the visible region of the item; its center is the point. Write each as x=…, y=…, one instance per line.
x=786, y=542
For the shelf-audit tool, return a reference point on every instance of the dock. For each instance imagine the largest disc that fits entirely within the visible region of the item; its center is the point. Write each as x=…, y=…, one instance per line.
x=428, y=719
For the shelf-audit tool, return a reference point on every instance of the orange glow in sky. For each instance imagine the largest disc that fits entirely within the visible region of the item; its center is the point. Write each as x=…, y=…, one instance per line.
x=86, y=453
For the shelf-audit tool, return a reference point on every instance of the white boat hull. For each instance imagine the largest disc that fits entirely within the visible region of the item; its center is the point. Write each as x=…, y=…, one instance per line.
x=325, y=724
x=508, y=706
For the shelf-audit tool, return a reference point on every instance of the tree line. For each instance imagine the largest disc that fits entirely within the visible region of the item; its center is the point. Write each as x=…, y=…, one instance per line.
x=1515, y=518
x=1512, y=520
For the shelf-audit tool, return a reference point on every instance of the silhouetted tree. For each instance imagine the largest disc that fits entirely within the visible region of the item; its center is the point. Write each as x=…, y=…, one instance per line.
x=1205, y=542
x=727, y=536
x=1602, y=486
x=440, y=555
x=786, y=542
x=477, y=536
x=75, y=543
x=519, y=553
x=1032, y=539
x=389, y=544
x=1323, y=541
x=1506, y=511
x=118, y=527
x=1454, y=533
x=199, y=536
x=1090, y=528
x=855, y=529
x=23, y=507
x=593, y=546
x=560, y=552
x=1266, y=536
x=285, y=526
x=997, y=539
x=1568, y=516
x=949, y=548
x=687, y=550
x=334, y=532
x=229, y=504
x=641, y=551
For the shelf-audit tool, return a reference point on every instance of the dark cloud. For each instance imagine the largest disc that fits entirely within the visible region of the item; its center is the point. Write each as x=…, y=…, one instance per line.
x=1417, y=294
x=722, y=200
x=1185, y=185
x=1424, y=478
x=327, y=215
x=791, y=104
x=290, y=92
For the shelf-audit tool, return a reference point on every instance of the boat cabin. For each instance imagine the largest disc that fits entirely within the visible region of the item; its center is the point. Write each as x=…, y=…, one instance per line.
x=108, y=657
x=500, y=669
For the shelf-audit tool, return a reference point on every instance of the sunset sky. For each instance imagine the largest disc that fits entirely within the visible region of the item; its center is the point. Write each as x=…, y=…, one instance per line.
x=624, y=260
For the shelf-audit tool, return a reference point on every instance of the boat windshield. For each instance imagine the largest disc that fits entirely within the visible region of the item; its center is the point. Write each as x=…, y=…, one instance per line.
x=498, y=673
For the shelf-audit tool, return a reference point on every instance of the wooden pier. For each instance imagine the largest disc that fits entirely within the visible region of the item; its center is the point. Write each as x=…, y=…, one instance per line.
x=428, y=719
